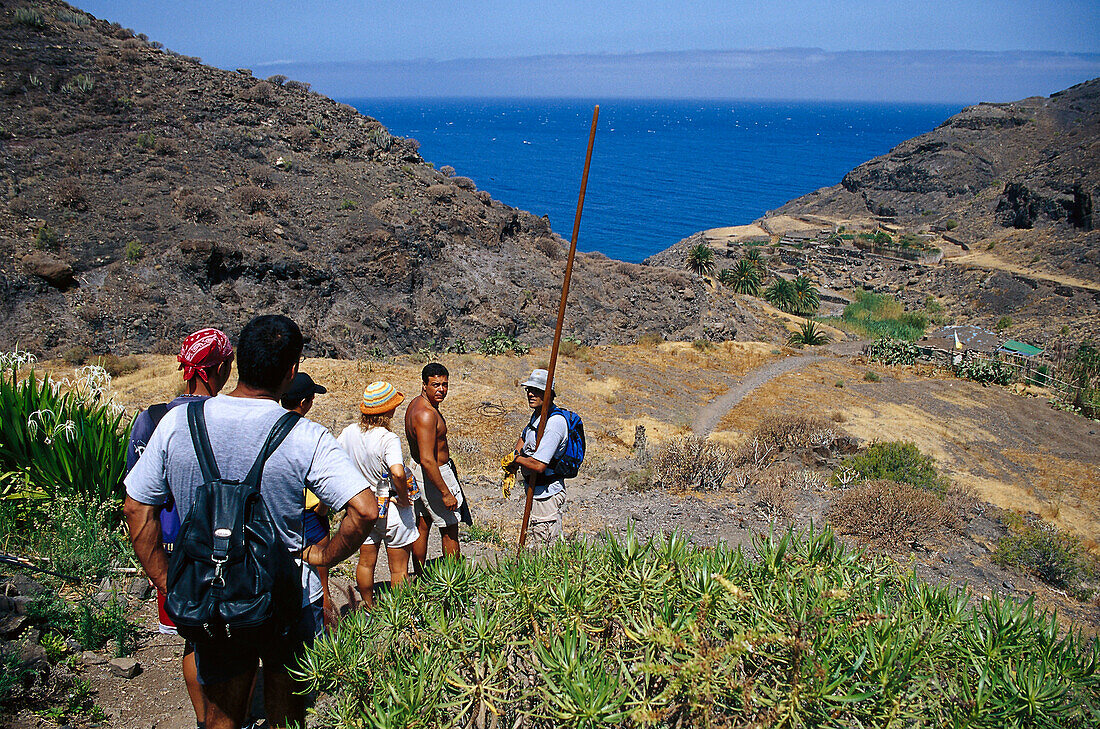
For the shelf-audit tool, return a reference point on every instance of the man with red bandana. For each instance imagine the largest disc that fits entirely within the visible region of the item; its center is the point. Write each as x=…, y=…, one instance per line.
x=206, y=359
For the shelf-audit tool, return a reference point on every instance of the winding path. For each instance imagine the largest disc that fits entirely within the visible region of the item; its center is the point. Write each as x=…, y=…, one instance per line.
x=710, y=415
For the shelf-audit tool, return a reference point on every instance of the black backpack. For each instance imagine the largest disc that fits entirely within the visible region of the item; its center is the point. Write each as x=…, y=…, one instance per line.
x=230, y=576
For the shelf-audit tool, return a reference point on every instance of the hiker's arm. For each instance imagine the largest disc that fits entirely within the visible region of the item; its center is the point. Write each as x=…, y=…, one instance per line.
x=400, y=484
x=143, y=521
x=530, y=463
x=424, y=425
x=552, y=437
x=359, y=516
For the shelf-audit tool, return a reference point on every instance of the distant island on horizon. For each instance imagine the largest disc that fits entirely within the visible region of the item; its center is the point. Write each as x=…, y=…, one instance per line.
x=795, y=74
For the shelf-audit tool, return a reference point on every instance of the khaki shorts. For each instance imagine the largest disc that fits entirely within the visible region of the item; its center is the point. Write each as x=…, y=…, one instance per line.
x=430, y=504
x=546, y=520
x=397, y=530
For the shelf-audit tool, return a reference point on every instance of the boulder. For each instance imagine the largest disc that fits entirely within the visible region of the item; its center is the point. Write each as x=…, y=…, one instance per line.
x=140, y=589
x=20, y=585
x=91, y=658
x=12, y=625
x=53, y=270
x=125, y=667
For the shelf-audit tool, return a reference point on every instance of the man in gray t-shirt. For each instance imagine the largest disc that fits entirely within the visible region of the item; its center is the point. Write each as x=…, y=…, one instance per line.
x=268, y=351
x=534, y=461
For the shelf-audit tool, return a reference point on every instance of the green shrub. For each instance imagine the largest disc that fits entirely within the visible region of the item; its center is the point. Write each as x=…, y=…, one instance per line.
x=1004, y=323
x=46, y=238
x=146, y=140
x=77, y=355
x=1053, y=555
x=870, y=376
x=133, y=251
x=877, y=315
x=1040, y=376
x=896, y=461
x=616, y=632
x=99, y=625
x=501, y=343
x=951, y=224
x=893, y=351
x=348, y=204
x=984, y=370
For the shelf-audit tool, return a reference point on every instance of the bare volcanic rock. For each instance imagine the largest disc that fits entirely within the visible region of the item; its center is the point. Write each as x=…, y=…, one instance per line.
x=146, y=195
x=992, y=168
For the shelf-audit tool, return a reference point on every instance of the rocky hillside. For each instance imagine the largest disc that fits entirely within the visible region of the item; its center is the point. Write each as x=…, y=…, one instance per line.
x=143, y=194
x=1025, y=173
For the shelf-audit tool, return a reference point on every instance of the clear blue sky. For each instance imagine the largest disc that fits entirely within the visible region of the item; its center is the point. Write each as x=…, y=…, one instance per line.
x=228, y=33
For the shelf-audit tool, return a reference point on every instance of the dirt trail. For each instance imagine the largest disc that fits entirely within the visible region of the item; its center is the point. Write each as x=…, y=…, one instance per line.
x=981, y=259
x=710, y=415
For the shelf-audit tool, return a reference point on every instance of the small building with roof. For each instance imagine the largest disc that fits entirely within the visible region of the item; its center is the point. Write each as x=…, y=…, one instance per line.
x=962, y=338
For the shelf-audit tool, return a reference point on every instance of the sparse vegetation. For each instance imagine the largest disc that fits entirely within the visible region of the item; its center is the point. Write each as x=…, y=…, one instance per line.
x=692, y=462
x=870, y=376
x=982, y=370
x=889, y=515
x=46, y=238
x=133, y=250
x=951, y=224
x=1005, y=322
x=30, y=17
x=893, y=351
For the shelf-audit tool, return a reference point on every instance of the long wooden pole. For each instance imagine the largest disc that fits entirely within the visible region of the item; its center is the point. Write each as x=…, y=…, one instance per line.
x=561, y=321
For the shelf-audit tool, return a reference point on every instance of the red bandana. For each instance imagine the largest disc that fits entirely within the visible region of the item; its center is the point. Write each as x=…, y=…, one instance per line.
x=205, y=348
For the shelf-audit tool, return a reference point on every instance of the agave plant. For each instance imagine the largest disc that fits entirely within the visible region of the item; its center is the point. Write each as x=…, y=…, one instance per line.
x=809, y=334
x=624, y=632
x=700, y=259
x=744, y=278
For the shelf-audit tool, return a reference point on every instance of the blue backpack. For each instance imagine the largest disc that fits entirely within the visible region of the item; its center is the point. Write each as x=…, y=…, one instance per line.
x=569, y=463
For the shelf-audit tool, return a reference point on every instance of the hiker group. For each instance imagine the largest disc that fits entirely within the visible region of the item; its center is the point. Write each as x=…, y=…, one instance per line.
x=228, y=497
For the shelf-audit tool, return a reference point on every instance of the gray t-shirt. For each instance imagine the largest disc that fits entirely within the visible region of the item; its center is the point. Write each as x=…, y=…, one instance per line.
x=238, y=427
x=552, y=446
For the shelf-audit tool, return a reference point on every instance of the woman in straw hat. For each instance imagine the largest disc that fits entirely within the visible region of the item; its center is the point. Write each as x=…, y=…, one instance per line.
x=376, y=451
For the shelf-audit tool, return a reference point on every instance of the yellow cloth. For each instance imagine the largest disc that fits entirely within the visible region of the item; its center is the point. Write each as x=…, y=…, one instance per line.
x=312, y=502
x=508, y=480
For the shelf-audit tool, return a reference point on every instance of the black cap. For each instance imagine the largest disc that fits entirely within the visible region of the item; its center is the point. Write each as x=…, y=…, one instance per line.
x=302, y=386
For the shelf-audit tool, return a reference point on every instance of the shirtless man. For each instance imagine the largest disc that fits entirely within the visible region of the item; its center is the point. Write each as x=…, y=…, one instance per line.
x=441, y=501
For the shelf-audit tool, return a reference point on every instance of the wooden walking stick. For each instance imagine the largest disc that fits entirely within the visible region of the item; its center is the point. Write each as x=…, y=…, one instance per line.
x=561, y=321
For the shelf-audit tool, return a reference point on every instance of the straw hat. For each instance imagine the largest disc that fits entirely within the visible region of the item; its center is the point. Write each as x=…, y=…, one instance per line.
x=380, y=397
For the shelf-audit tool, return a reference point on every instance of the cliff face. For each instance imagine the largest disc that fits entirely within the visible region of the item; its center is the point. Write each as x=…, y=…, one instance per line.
x=143, y=195
x=990, y=170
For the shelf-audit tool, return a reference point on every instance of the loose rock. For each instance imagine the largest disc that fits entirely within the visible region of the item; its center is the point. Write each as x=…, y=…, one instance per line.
x=125, y=667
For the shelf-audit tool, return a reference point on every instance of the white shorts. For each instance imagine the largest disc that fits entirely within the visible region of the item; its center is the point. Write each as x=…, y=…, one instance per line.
x=430, y=503
x=397, y=530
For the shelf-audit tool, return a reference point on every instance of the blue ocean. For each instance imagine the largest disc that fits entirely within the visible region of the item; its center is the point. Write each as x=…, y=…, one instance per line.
x=661, y=170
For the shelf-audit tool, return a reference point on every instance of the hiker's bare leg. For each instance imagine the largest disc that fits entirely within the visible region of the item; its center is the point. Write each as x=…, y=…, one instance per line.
x=330, y=611
x=364, y=573
x=399, y=564
x=194, y=688
x=227, y=702
x=282, y=703
x=420, y=546
x=449, y=535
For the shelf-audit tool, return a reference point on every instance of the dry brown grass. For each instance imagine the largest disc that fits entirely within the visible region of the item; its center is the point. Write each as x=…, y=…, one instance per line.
x=692, y=462
x=889, y=515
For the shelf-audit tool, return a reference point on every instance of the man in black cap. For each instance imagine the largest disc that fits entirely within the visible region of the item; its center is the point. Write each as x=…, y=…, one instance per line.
x=315, y=526
x=299, y=397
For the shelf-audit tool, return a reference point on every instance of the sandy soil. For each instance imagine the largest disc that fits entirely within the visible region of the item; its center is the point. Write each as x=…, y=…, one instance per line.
x=985, y=259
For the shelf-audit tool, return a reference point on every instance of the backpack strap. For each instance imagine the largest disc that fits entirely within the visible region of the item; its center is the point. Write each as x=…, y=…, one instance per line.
x=278, y=434
x=157, y=413
x=196, y=423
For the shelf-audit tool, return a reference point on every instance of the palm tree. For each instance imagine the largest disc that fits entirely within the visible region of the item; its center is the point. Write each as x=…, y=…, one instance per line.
x=806, y=300
x=701, y=259
x=752, y=255
x=808, y=334
x=744, y=278
x=780, y=294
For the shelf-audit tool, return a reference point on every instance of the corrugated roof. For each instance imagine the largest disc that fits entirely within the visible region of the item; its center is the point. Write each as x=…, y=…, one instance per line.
x=970, y=337
x=1021, y=348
